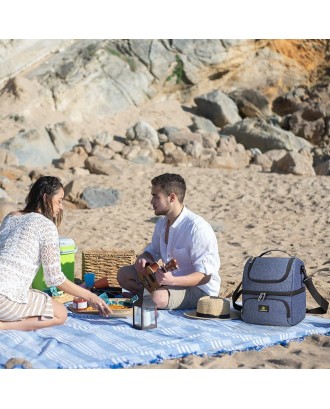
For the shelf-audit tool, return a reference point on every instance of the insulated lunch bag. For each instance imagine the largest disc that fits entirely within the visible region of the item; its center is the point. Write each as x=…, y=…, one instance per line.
x=274, y=291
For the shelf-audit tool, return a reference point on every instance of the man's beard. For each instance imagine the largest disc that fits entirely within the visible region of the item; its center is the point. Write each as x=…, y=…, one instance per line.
x=162, y=212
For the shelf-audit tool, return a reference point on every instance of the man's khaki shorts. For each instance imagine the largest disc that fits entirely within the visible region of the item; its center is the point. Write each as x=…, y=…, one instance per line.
x=183, y=297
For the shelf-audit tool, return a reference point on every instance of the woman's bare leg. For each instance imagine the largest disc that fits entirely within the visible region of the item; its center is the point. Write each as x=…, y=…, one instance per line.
x=30, y=324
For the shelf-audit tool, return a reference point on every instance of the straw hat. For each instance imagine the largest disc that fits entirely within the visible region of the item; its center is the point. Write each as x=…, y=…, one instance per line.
x=211, y=307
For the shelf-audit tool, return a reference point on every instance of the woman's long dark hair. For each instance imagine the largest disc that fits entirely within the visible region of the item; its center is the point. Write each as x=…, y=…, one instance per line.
x=40, y=197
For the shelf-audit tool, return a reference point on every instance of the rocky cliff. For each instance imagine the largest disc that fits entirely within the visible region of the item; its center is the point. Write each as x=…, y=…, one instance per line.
x=82, y=105
x=90, y=84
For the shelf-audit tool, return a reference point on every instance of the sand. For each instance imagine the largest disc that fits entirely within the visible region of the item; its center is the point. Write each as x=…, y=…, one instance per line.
x=250, y=212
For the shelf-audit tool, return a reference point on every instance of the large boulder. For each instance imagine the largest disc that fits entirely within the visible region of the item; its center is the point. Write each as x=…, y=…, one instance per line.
x=142, y=131
x=257, y=133
x=293, y=162
x=32, y=148
x=306, y=112
x=217, y=107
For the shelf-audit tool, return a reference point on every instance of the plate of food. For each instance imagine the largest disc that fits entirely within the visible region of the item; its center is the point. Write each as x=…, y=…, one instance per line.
x=120, y=307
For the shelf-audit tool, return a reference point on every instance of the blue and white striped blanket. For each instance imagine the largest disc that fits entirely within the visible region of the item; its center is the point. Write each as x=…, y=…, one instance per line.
x=89, y=341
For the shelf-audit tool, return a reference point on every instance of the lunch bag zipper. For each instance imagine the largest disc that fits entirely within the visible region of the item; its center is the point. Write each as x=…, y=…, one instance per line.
x=287, y=272
x=263, y=294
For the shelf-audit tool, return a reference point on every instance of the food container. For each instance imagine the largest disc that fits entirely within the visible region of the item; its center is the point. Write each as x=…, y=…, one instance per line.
x=79, y=303
x=101, y=283
x=68, y=250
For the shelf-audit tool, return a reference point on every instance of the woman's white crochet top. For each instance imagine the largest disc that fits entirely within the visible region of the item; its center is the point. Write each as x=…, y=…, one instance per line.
x=26, y=241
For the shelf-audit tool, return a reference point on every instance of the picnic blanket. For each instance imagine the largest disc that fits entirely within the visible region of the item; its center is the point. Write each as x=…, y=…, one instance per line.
x=91, y=341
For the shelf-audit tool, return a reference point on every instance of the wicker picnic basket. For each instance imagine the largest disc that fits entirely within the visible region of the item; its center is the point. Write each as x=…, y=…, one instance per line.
x=106, y=263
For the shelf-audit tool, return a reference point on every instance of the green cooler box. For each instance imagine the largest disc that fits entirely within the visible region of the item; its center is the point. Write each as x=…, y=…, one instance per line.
x=68, y=250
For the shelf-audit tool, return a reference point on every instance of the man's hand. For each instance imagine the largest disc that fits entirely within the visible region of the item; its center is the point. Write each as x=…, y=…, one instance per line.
x=140, y=264
x=164, y=277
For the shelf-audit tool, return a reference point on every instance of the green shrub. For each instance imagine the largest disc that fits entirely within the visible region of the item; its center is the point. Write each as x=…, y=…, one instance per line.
x=178, y=72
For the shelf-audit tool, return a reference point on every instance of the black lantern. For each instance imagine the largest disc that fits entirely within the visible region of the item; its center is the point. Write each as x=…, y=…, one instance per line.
x=144, y=313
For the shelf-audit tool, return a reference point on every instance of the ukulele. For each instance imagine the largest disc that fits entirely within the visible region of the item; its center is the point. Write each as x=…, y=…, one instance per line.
x=148, y=279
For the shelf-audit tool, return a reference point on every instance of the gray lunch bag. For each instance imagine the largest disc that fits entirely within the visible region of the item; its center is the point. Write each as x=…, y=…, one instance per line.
x=274, y=291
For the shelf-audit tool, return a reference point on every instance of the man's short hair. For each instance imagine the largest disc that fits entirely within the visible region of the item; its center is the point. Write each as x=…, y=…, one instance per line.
x=171, y=183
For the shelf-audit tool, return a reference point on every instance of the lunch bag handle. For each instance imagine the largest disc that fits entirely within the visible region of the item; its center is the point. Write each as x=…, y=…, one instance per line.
x=269, y=251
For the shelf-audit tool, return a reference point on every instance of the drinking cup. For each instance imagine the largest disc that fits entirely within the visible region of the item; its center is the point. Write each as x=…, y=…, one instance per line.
x=89, y=279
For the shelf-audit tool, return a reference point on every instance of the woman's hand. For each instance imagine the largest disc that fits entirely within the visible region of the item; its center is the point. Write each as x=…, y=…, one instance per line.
x=93, y=299
x=97, y=302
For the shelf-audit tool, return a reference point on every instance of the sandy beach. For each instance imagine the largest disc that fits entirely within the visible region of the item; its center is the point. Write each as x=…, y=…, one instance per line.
x=250, y=211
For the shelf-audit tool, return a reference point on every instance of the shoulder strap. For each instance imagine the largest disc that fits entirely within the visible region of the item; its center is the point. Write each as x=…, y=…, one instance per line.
x=237, y=293
x=322, y=302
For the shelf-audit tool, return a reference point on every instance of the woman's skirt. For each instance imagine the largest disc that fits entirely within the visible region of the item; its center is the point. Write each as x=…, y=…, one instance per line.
x=39, y=304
